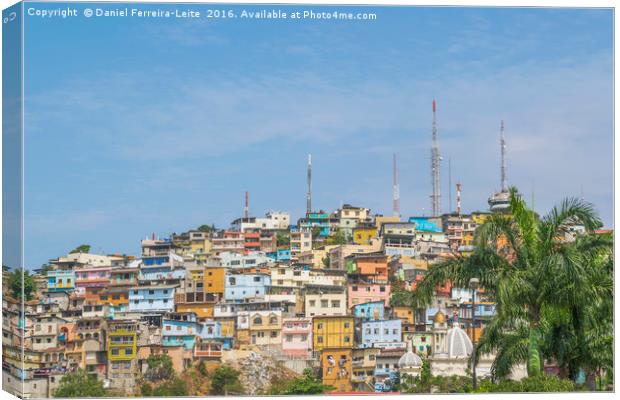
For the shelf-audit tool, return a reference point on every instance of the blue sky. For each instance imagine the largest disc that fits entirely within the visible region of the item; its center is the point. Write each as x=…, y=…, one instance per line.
x=138, y=126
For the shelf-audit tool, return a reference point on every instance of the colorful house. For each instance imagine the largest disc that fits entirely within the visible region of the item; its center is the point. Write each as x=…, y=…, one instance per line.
x=242, y=287
x=153, y=298
x=297, y=337
x=380, y=333
x=180, y=329
x=372, y=310
x=60, y=280
x=336, y=368
x=360, y=293
x=332, y=332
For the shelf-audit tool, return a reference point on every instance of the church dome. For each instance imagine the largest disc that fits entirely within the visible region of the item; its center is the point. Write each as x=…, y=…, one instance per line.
x=440, y=317
x=458, y=343
x=409, y=359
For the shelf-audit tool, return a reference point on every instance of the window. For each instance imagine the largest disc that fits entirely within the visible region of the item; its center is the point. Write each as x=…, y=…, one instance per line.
x=257, y=279
x=319, y=339
x=274, y=334
x=312, y=303
x=324, y=303
x=346, y=325
x=114, y=352
x=382, y=288
x=151, y=292
x=257, y=320
x=347, y=339
x=335, y=303
x=273, y=320
x=320, y=325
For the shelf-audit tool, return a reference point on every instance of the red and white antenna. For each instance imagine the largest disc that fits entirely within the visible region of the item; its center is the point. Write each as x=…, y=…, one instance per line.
x=246, y=210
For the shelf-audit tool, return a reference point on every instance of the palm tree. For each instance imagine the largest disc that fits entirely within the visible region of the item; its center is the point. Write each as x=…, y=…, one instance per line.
x=538, y=279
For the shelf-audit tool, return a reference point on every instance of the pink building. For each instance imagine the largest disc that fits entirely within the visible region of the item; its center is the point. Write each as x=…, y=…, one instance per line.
x=297, y=337
x=366, y=292
x=91, y=277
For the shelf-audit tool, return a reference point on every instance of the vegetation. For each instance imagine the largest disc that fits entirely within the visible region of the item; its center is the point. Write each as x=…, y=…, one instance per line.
x=326, y=262
x=21, y=283
x=207, y=228
x=316, y=232
x=80, y=384
x=539, y=383
x=159, y=368
x=309, y=383
x=463, y=384
x=554, y=296
x=174, y=387
x=283, y=239
x=225, y=380
x=337, y=237
x=84, y=248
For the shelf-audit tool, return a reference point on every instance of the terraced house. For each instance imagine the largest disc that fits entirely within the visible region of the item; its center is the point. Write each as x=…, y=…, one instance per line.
x=217, y=295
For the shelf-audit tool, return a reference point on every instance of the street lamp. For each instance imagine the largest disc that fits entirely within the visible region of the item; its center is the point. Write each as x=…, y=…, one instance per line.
x=474, y=283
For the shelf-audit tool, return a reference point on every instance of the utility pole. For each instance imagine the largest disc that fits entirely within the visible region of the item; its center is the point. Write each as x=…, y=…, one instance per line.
x=435, y=166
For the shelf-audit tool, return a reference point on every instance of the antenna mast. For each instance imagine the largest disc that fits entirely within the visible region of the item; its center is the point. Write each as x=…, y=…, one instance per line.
x=503, y=147
x=309, y=196
x=435, y=165
x=396, y=189
x=246, y=210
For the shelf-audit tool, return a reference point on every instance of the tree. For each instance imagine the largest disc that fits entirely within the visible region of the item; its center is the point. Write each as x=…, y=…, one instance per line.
x=159, y=367
x=537, y=279
x=84, y=248
x=225, y=379
x=21, y=282
x=309, y=383
x=283, y=240
x=316, y=232
x=174, y=387
x=80, y=384
x=326, y=262
x=207, y=228
x=336, y=238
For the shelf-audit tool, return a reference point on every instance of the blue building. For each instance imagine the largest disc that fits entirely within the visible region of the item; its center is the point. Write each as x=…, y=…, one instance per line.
x=60, y=280
x=160, y=272
x=376, y=333
x=316, y=219
x=426, y=224
x=371, y=311
x=180, y=329
x=154, y=298
x=242, y=287
x=280, y=255
x=212, y=330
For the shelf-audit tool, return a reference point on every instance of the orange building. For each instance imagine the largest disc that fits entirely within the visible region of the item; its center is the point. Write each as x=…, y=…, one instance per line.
x=214, y=281
x=336, y=368
x=372, y=267
x=201, y=292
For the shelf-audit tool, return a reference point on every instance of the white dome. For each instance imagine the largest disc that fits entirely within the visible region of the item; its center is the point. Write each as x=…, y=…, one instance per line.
x=458, y=344
x=409, y=359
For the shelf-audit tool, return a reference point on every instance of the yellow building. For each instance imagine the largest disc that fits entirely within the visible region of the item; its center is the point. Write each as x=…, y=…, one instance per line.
x=362, y=234
x=121, y=341
x=336, y=368
x=380, y=220
x=332, y=332
x=214, y=281
x=404, y=313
